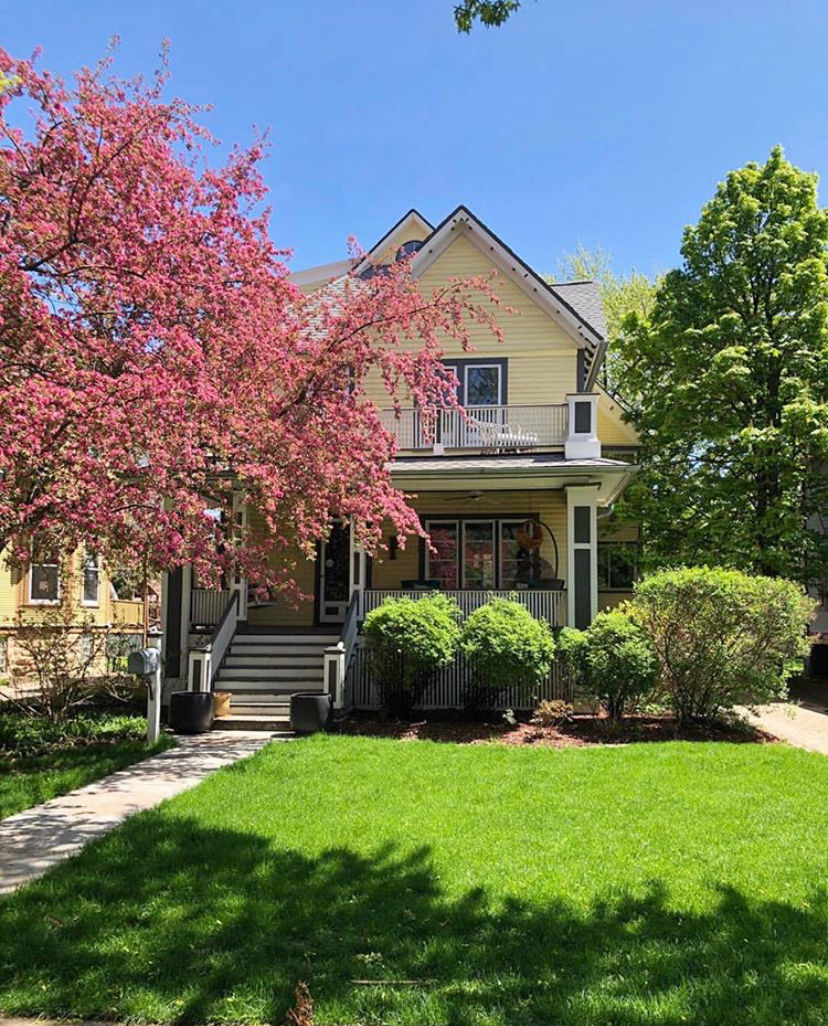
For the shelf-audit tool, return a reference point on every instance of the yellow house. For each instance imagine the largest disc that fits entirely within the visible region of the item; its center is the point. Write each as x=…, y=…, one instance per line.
x=516, y=499
x=76, y=586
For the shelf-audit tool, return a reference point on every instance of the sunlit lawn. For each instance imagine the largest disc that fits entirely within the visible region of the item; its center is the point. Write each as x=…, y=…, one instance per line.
x=419, y=883
x=33, y=779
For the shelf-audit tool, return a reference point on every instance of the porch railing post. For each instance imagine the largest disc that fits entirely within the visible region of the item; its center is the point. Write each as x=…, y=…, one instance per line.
x=334, y=671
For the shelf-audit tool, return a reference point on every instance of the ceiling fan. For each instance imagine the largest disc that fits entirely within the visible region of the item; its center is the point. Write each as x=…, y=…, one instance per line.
x=474, y=496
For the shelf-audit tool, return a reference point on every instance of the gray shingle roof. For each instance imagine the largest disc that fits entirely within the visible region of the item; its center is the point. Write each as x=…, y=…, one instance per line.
x=585, y=299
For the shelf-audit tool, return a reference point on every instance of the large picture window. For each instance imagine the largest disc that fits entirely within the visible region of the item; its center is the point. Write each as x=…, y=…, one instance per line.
x=480, y=554
x=44, y=576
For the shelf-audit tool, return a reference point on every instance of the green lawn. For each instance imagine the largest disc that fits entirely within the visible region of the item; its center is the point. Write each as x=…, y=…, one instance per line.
x=421, y=883
x=33, y=779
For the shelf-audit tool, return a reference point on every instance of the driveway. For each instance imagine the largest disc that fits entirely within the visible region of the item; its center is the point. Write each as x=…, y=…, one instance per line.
x=803, y=721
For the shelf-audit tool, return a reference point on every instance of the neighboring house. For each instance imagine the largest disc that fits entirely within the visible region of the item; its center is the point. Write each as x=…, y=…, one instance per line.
x=73, y=590
x=516, y=500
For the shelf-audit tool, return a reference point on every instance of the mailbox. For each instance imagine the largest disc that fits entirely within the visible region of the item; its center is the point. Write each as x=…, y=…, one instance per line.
x=143, y=662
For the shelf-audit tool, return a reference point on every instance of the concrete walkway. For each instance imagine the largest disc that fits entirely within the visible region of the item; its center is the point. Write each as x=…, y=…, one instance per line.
x=33, y=841
x=802, y=722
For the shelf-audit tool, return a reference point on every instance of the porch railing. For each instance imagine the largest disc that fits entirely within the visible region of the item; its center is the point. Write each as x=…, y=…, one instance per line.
x=544, y=605
x=484, y=427
x=338, y=657
x=207, y=606
x=206, y=662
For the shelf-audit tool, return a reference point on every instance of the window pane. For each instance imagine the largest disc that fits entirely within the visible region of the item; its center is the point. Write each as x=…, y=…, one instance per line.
x=482, y=386
x=90, y=580
x=616, y=566
x=478, y=555
x=44, y=583
x=442, y=564
x=515, y=561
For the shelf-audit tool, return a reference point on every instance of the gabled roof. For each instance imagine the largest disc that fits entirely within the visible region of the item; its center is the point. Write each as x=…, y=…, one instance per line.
x=576, y=306
x=565, y=304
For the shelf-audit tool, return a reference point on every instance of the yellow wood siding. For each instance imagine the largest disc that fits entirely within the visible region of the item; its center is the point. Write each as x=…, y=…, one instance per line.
x=280, y=612
x=542, y=358
x=612, y=429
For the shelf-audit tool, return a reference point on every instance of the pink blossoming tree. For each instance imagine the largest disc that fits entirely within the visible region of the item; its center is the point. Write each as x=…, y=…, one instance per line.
x=155, y=359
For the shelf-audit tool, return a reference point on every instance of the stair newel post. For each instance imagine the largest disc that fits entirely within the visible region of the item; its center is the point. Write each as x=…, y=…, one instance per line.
x=334, y=670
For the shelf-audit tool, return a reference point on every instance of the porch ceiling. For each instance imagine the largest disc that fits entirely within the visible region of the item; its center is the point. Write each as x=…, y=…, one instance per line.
x=525, y=471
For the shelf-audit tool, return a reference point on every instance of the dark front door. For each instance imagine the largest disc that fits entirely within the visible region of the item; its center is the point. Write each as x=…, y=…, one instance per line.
x=334, y=564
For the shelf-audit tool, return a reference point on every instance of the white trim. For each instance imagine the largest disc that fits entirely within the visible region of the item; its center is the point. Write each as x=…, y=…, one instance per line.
x=32, y=601
x=465, y=225
x=401, y=230
x=478, y=365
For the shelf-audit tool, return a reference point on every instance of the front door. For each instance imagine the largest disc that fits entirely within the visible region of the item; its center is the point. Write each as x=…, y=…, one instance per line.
x=334, y=564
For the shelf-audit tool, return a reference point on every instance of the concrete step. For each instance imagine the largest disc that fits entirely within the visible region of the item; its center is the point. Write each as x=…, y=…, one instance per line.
x=243, y=658
x=286, y=639
x=275, y=674
x=275, y=723
x=235, y=685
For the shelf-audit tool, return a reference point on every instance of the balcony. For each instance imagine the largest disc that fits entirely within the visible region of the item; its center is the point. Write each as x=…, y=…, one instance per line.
x=512, y=428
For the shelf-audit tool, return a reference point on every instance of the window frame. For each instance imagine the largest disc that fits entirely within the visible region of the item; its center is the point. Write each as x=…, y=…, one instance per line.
x=461, y=367
x=32, y=600
x=605, y=546
x=91, y=603
x=460, y=521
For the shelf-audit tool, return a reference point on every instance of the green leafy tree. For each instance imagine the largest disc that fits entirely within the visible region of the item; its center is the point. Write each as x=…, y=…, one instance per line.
x=490, y=13
x=728, y=381
x=622, y=295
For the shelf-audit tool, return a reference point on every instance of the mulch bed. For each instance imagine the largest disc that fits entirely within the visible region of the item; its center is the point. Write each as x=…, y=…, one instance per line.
x=580, y=732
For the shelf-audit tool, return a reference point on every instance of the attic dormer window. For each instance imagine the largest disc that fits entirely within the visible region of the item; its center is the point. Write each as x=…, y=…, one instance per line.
x=407, y=249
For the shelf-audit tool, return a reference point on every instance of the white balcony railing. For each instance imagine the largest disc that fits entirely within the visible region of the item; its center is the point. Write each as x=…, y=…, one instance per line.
x=498, y=428
x=542, y=604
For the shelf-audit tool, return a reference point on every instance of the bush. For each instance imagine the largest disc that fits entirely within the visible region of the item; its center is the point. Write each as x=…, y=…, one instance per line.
x=552, y=712
x=613, y=661
x=409, y=640
x=507, y=648
x=723, y=638
x=24, y=735
x=66, y=661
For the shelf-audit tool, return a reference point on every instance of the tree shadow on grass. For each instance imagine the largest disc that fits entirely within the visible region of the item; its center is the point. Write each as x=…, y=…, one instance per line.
x=168, y=921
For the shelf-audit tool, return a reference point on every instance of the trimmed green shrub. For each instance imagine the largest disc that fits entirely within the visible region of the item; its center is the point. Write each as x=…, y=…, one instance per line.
x=409, y=640
x=506, y=647
x=723, y=638
x=613, y=661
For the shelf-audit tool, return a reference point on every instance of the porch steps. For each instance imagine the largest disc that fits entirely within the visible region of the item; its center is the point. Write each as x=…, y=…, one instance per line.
x=262, y=671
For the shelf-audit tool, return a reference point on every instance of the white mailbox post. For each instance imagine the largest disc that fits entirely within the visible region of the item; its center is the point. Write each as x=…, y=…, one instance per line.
x=146, y=663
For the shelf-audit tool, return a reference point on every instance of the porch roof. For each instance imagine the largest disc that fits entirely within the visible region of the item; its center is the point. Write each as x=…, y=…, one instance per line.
x=520, y=471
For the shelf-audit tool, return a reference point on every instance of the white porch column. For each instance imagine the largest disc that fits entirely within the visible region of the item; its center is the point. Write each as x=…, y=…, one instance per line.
x=356, y=567
x=582, y=441
x=581, y=554
x=239, y=582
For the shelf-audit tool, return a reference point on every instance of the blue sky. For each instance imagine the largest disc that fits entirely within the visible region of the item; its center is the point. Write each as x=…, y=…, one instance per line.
x=600, y=123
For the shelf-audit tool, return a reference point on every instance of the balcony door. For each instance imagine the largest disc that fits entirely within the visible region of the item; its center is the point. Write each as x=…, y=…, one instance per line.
x=481, y=391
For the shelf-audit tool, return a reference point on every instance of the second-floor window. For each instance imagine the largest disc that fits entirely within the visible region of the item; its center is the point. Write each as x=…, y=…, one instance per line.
x=44, y=576
x=480, y=382
x=91, y=578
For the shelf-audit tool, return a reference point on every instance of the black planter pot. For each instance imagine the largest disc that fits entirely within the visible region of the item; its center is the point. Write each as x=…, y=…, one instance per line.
x=310, y=712
x=191, y=712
